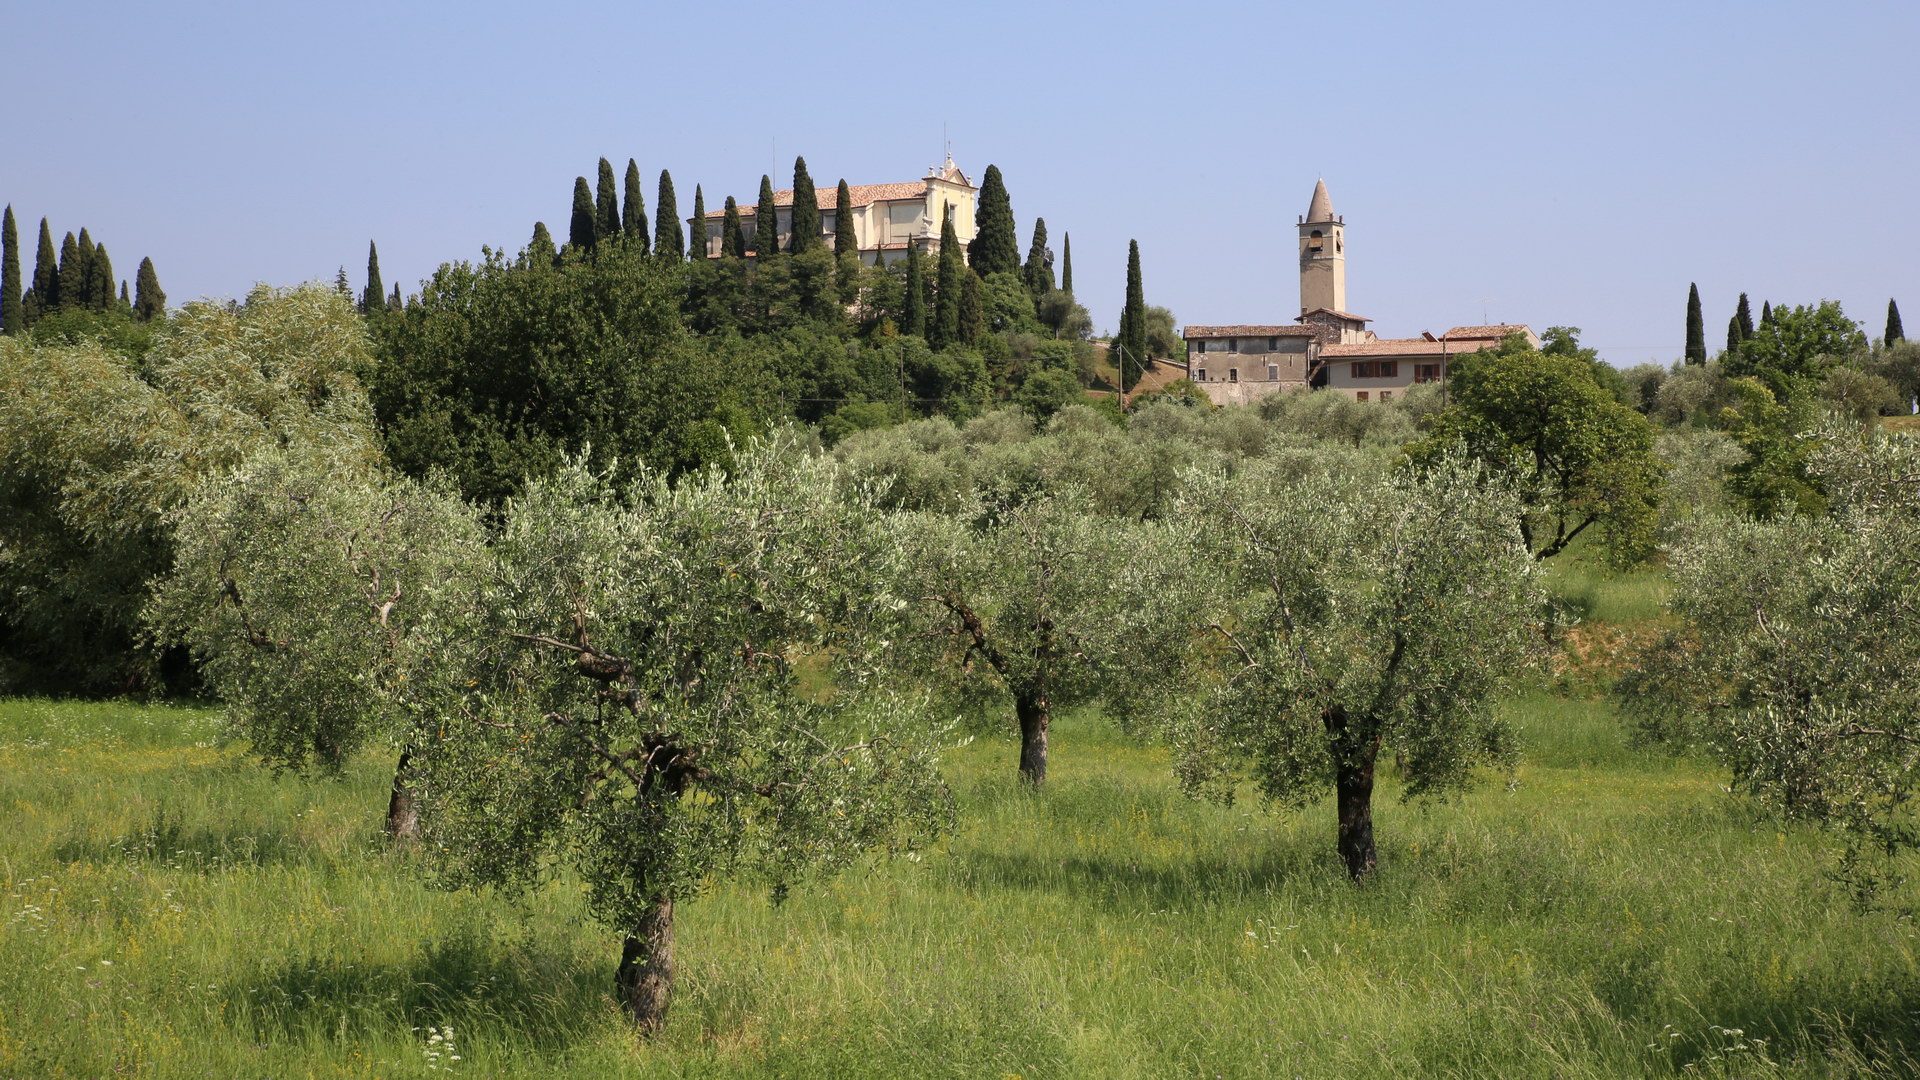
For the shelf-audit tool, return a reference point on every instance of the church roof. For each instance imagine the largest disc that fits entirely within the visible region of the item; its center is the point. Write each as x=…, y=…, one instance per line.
x=828, y=198
x=1191, y=333
x=1321, y=209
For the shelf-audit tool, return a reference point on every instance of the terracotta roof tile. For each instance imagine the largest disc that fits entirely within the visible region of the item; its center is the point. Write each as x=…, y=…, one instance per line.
x=1404, y=347
x=1192, y=332
x=1497, y=332
x=1340, y=314
x=829, y=197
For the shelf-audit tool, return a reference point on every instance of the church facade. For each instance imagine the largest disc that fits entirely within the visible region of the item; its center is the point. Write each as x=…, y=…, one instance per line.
x=1326, y=345
x=886, y=219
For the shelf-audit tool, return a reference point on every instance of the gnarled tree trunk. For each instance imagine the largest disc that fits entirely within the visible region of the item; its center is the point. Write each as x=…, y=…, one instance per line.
x=1355, y=747
x=403, y=817
x=1031, y=707
x=645, y=979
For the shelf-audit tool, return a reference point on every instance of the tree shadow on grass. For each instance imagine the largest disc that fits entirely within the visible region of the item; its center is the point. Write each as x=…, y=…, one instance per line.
x=1122, y=882
x=529, y=994
x=166, y=839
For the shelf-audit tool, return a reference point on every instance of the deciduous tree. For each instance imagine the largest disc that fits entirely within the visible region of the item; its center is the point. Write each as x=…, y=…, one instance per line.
x=1574, y=452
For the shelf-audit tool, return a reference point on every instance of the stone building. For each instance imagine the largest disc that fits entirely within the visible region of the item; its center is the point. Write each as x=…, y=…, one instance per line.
x=886, y=218
x=1327, y=346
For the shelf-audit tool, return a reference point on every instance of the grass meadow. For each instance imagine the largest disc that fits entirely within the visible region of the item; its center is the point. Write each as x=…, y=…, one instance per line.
x=171, y=909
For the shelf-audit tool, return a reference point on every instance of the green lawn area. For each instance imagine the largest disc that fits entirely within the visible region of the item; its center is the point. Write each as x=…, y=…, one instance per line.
x=171, y=909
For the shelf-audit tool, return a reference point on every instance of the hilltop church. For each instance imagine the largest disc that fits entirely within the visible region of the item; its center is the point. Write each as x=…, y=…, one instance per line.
x=1325, y=345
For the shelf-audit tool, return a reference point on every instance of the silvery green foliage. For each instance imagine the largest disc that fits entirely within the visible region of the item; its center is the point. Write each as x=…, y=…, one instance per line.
x=327, y=609
x=96, y=451
x=1797, y=660
x=635, y=712
x=1400, y=604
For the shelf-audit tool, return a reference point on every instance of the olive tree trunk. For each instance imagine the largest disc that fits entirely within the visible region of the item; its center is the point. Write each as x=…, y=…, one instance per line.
x=403, y=816
x=645, y=979
x=1031, y=707
x=1356, y=746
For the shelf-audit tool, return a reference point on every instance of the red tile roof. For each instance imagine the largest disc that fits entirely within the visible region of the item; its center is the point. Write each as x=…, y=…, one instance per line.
x=1496, y=333
x=1339, y=314
x=829, y=197
x=1192, y=332
x=1404, y=347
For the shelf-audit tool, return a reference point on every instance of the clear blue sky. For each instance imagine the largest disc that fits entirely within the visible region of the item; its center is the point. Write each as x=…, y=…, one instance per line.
x=1548, y=163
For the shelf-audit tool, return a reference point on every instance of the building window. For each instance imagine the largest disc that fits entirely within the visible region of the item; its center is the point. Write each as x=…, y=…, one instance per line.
x=1233, y=374
x=1386, y=395
x=1273, y=344
x=1273, y=372
x=1200, y=346
x=1376, y=369
x=1359, y=395
x=1426, y=373
x=1200, y=375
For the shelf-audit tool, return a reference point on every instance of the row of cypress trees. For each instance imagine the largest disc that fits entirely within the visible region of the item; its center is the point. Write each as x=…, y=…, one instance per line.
x=1741, y=326
x=80, y=277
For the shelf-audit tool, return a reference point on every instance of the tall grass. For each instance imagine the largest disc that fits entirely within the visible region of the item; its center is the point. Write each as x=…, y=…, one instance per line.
x=172, y=910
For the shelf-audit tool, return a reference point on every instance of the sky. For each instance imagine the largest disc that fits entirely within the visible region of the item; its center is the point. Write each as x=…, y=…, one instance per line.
x=1547, y=163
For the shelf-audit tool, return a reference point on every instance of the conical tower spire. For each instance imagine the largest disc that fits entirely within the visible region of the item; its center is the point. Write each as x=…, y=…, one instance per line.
x=1321, y=209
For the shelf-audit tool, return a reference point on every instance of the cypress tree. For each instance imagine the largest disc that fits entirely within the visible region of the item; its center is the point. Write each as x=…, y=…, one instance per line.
x=669, y=238
x=846, y=239
x=73, y=275
x=1743, y=314
x=634, y=213
x=1696, y=329
x=125, y=304
x=149, y=302
x=375, y=296
x=996, y=243
x=395, y=303
x=1037, y=274
x=1132, y=338
x=766, y=222
x=46, y=275
x=698, y=244
x=1733, y=332
x=946, y=297
x=915, y=314
x=1066, y=263
x=581, y=230
x=803, y=224
x=10, y=290
x=1895, y=333
x=973, y=318
x=540, y=250
x=606, y=203
x=340, y=285
x=1766, y=312
x=100, y=278
x=733, y=242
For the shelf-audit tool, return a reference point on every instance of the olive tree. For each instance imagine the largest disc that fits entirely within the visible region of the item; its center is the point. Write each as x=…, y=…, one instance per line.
x=1038, y=600
x=1796, y=658
x=324, y=610
x=1352, y=612
x=635, y=716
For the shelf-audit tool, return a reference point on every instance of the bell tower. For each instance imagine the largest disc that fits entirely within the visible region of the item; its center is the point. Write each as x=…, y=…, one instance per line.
x=1323, y=257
